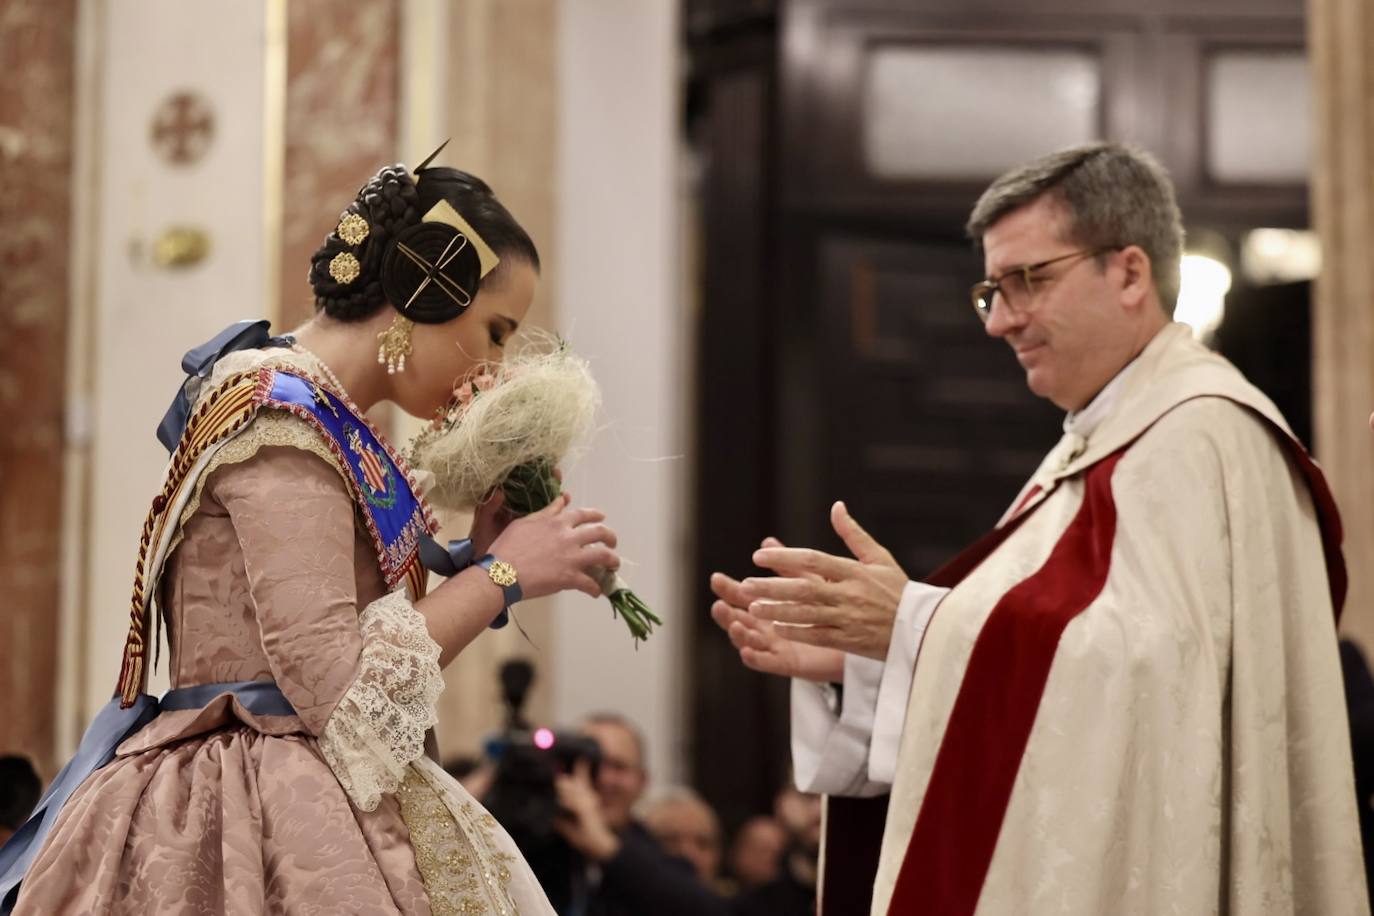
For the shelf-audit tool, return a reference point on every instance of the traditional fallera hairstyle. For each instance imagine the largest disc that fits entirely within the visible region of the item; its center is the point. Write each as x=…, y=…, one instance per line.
x=1113, y=194
x=423, y=243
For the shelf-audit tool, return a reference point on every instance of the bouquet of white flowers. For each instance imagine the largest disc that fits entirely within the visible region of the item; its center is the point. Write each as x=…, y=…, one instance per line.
x=509, y=425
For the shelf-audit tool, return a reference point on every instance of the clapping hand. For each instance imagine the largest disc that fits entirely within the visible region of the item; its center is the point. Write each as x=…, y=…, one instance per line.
x=824, y=601
x=760, y=645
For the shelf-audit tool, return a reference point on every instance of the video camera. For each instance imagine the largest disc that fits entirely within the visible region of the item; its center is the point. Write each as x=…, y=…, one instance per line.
x=522, y=795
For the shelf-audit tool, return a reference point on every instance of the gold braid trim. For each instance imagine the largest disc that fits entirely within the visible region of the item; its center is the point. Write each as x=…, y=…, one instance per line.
x=217, y=415
x=268, y=429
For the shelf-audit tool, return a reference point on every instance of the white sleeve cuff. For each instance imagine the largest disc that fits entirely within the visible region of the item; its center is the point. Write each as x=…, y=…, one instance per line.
x=830, y=746
x=894, y=690
x=853, y=750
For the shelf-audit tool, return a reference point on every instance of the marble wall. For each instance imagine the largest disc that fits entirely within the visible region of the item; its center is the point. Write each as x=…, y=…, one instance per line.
x=620, y=300
x=138, y=312
x=36, y=128
x=342, y=98
x=1341, y=39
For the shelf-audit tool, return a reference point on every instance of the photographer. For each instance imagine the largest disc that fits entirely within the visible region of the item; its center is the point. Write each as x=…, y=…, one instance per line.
x=629, y=872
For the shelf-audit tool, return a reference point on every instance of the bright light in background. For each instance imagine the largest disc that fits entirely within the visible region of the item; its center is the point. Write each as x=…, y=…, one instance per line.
x=543, y=739
x=1202, y=294
x=1280, y=256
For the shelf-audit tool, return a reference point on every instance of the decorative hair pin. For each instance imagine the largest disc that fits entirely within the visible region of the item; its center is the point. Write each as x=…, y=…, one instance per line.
x=463, y=236
x=344, y=268
x=443, y=212
x=353, y=229
x=430, y=158
x=434, y=272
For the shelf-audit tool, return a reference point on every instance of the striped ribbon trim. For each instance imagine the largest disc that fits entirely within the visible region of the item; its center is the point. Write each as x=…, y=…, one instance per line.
x=223, y=412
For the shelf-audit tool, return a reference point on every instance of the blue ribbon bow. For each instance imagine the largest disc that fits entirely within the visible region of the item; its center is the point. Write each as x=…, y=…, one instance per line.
x=200, y=361
x=450, y=561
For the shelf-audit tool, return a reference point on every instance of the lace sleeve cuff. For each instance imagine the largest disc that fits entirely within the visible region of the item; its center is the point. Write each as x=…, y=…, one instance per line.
x=379, y=725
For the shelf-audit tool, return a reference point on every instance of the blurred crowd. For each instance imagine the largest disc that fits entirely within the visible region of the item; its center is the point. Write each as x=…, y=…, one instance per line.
x=643, y=849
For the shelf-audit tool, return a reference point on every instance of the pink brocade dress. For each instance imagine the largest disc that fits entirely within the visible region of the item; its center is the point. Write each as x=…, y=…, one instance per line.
x=333, y=810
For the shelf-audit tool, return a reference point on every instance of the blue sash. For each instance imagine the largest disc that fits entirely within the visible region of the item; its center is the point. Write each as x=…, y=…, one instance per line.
x=396, y=519
x=111, y=727
x=398, y=522
x=393, y=514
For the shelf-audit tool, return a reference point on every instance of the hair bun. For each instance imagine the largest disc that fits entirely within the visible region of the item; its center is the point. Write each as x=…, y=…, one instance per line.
x=440, y=291
x=389, y=204
x=392, y=203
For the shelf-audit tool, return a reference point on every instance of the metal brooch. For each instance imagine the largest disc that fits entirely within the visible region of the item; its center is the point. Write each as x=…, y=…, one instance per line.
x=353, y=229
x=345, y=268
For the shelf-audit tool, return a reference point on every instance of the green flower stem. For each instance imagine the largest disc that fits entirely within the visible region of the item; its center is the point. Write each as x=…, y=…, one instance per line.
x=635, y=613
x=531, y=487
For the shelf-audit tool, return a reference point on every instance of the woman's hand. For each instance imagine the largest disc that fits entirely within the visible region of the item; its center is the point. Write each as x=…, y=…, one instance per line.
x=555, y=549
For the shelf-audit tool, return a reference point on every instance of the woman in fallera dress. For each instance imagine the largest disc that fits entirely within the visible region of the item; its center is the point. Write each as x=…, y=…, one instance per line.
x=286, y=770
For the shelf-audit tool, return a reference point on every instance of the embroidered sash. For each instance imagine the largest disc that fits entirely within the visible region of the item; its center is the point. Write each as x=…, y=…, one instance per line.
x=382, y=489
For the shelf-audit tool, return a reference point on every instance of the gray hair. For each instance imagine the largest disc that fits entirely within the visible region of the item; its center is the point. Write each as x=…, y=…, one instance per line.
x=1113, y=194
x=679, y=795
x=623, y=723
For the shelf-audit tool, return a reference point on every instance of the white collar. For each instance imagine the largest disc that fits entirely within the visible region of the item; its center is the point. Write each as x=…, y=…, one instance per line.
x=1082, y=422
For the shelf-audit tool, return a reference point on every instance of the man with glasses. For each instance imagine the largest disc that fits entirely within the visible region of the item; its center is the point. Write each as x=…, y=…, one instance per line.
x=1126, y=698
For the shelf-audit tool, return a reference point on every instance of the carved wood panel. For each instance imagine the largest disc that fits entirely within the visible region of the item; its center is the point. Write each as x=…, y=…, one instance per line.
x=839, y=356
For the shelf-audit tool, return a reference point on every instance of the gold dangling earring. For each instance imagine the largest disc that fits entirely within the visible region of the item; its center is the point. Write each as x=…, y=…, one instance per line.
x=395, y=345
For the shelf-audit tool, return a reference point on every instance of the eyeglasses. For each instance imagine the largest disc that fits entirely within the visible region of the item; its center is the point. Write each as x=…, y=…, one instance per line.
x=1018, y=286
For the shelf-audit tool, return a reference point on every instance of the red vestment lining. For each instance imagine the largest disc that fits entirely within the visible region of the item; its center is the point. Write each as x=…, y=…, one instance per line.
x=966, y=800
x=956, y=831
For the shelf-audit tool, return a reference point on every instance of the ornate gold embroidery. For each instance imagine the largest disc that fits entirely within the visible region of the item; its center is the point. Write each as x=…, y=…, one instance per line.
x=464, y=869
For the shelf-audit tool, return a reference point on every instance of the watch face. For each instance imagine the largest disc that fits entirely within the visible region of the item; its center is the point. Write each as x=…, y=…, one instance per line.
x=502, y=573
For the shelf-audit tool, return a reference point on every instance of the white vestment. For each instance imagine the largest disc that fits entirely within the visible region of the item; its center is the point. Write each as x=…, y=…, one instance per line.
x=1184, y=747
